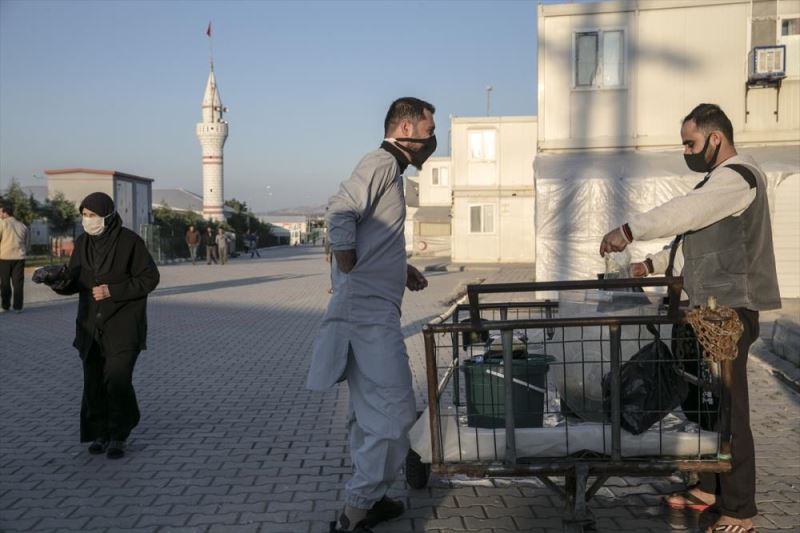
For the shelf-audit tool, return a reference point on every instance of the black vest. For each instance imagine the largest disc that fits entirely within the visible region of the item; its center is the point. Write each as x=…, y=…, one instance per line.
x=733, y=259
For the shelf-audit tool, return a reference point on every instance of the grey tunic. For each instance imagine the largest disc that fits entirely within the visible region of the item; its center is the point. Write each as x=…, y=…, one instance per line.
x=366, y=214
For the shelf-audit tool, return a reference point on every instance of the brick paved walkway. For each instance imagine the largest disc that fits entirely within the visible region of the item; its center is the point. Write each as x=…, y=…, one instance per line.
x=231, y=441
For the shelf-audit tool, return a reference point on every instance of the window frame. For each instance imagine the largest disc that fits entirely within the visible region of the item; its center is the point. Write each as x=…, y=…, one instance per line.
x=483, y=205
x=438, y=177
x=781, y=37
x=599, y=73
x=482, y=130
x=783, y=18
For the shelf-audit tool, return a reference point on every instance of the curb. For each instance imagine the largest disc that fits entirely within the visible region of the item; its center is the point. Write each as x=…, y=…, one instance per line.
x=786, y=339
x=762, y=353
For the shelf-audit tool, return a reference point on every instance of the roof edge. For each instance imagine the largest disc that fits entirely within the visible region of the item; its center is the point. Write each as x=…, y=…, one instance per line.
x=621, y=6
x=53, y=172
x=501, y=119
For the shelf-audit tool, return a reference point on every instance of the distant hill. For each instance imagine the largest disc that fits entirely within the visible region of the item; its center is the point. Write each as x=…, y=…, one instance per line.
x=305, y=210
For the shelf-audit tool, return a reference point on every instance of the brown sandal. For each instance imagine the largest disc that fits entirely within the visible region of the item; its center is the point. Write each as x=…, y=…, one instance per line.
x=691, y=501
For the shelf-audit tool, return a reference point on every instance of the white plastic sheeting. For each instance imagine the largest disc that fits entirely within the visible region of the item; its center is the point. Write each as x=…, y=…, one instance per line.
x=581, y=196
x=466, y=444
x=583, y=355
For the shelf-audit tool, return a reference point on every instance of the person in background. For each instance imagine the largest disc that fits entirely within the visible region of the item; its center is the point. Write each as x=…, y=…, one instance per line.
x=329, y=260
x=210, y=242
x=113, y=273
x=253, y=240
x=193, y=242
x=222, y=245
x=14, y=243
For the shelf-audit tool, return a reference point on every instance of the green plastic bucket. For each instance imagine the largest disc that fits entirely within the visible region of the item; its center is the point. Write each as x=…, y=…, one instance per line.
x=484, y=380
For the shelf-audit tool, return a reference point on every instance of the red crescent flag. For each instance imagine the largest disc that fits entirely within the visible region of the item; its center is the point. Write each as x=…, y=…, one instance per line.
x=208, y=31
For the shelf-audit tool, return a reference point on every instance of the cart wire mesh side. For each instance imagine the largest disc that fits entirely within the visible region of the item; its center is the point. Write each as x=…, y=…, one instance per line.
x=565, y=408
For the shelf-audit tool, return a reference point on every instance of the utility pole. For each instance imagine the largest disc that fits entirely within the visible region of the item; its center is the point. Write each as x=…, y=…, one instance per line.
x=488, y=99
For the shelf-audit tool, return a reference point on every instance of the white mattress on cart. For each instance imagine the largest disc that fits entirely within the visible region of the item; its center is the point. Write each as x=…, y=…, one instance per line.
x=477, y=444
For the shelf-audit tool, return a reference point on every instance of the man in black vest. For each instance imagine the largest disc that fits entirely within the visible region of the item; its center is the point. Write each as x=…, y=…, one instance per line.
x=724, y=245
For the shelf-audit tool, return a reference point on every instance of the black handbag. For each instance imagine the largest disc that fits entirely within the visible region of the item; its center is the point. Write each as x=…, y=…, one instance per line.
x=651, y=386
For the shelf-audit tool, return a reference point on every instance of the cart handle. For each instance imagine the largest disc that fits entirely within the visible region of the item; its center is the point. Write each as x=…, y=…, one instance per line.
x=674, y=286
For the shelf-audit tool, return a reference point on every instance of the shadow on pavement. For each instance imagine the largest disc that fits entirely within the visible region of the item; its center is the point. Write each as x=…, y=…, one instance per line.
x=223, y=284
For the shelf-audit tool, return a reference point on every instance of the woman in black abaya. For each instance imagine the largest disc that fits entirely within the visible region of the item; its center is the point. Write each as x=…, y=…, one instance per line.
x=113, y=273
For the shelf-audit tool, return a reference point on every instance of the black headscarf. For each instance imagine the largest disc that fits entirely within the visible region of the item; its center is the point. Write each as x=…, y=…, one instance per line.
x=100, y=249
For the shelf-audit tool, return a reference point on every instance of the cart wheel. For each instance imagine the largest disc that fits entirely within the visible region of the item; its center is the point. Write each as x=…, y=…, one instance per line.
x=417, y=472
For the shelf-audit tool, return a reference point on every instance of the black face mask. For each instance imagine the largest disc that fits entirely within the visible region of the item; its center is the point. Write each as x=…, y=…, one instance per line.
x=421, y=154
x=697, y=162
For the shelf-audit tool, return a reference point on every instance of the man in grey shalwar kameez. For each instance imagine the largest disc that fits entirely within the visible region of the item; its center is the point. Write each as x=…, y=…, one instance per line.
x=360, y=338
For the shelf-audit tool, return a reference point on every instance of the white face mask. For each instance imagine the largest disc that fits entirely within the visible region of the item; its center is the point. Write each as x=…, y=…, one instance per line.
x=94, y=225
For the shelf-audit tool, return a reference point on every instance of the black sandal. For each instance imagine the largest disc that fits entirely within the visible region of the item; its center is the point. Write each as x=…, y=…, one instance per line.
x=116, y=449
x=98, y=446
x=733, y=528
x=383, y=510
x=358, y=529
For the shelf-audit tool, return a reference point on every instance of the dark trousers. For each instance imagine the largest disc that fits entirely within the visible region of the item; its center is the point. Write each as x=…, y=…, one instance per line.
x=12, y=275
x=736, y=491
x=109, y=408
x=211, y=254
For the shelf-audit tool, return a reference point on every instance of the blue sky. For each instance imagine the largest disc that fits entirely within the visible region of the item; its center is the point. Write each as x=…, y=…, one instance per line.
x=118, y=85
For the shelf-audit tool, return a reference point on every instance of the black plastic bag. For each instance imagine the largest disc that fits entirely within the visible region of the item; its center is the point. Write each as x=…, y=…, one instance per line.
x=650, y=387
x=54, y=276
x=701, y=404
x=49, y=274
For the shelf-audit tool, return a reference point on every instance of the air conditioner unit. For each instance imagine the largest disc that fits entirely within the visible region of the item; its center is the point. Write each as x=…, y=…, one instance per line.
x=768, y=63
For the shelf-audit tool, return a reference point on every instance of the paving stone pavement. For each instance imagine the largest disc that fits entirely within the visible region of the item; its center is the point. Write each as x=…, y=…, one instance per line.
x=231, y=441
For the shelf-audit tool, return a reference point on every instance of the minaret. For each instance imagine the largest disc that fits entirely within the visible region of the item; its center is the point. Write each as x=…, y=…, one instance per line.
x=212, y=132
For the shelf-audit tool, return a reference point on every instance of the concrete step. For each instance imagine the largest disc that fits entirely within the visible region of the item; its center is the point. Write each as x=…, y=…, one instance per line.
x=786, y=339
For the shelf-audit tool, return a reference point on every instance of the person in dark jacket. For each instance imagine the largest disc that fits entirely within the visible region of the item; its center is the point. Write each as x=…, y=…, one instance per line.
x=113, y=273
x=210, y=242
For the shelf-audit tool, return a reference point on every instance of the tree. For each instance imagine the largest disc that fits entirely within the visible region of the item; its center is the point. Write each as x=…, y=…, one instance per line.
x=242, y=221
x=237, y=206
x=172, y=226
x=61, y=214
x=23, y=205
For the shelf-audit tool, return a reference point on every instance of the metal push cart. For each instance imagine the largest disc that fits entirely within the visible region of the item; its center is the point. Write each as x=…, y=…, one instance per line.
x=459, y=445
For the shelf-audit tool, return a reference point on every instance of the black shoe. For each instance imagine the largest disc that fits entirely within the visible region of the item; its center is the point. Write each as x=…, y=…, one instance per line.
x=116, y=449
x=98, y=446
x=360, y=528
x=385, y=509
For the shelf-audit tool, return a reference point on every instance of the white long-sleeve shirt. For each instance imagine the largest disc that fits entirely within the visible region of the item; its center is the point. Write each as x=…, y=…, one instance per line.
x=660, y=260
x=726, y=193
